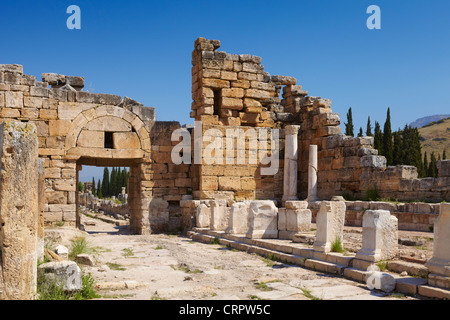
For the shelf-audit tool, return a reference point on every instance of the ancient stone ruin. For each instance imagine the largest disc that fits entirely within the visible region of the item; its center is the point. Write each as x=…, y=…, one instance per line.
x=266, y=159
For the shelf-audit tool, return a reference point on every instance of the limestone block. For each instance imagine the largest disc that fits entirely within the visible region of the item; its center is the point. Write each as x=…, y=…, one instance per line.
x=262, y=220
x=373, y=161
x=440, y=262
x=62, y=251
x=203, y=216
x=158, y=215
x=91, y=139
x=19, y=209
x=238, y=218
x=219, y=215
x=380, y=236
x=296, y=205
x=126, y=140
x=59, y=127
x=68, y=273
x=13, y=68
x=14, y=99
x=281, y=219
x=298, y=220
x=330, y=225
x=109, y=123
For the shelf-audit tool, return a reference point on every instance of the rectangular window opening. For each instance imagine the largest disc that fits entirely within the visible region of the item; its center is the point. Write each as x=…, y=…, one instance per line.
x=109, y=144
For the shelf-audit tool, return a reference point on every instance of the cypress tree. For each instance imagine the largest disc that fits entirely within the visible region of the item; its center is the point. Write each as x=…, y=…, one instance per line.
x=378, y=138
x=113, y=182
x=398, y=147
x=369, y=128
x=388, y=145
x=99, y=189
x=94, y=191
x=360, y=134
x=349, y=124
x=444, y=156
x=432, y=169
x=425, y=165
x=105, y=183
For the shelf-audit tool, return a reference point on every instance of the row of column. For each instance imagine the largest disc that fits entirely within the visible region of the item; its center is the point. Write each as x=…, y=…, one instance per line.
x=291, y=166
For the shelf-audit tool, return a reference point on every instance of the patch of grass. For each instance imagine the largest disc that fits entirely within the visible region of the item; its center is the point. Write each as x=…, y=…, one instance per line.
x=337, y=246
x=80, y=245
x=127, y=252
x=185, y=268
x=372, y=193
x=159, y=248
x=157, y=297
x=215, y=241
x=59, y=223
x=54, y=289
x=382, y=265
x=308, y=294
x=253, y=297
x=115, y=266
x=263, y=286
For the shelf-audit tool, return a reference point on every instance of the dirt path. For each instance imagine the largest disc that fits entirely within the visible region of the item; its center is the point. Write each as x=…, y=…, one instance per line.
x=174, y=267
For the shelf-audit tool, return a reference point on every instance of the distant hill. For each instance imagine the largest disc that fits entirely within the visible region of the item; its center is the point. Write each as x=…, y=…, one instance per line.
x=419, y=123
x=435, y=137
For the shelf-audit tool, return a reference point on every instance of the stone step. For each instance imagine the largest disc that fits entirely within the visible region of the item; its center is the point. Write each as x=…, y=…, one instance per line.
x=301, y=255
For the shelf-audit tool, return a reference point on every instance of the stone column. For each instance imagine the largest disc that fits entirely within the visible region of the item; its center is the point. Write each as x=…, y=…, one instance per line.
x=330, y=225
x=290, y=163
x=312, y=173
x=19, y=209
x=439, y=264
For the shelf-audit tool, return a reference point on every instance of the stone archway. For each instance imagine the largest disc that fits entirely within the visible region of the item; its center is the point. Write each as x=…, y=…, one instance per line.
x=112, y=136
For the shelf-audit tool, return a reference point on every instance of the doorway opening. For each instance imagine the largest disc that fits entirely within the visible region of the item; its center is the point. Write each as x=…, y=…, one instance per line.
x=106, y=195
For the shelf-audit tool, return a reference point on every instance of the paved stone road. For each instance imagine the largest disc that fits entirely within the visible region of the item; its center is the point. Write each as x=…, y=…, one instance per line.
x=173, y=267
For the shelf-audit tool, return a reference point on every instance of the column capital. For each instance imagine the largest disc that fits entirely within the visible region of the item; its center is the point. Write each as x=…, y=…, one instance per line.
x=291, y=129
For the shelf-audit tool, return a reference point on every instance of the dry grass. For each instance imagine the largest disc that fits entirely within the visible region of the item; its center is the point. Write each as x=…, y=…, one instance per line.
x=439, y=131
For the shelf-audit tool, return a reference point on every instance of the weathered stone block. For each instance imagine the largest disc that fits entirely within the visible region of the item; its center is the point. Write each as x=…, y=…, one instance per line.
x=126, y=140
x=373, y=162
x=440, y=262
x=19, y=209
x=262, y=220
x=91, y=139
x=330, y=225
x=380, y=236
x=65, y=272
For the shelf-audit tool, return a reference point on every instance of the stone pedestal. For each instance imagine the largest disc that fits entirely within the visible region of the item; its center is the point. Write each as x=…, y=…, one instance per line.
x=312, y=173
x=203, y=215
x=296, y=217
x=19, y=210
x=219, y=215
x=290, y=163
x=439, y=264
x=380, y=236
x=330, y=225
x=262, y=220
x=238, y=220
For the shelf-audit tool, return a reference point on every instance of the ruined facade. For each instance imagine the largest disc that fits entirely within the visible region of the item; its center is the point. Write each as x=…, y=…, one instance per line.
x=302, y=145
x=229, y=92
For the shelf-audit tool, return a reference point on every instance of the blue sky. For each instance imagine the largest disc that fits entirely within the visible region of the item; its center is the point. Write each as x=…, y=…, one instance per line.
x=142, y=49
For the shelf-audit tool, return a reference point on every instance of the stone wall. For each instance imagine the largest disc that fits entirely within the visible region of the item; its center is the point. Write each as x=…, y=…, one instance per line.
x=76, y=128
x=234, y=91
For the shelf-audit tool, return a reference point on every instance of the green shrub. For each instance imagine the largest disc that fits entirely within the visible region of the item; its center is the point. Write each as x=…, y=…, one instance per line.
x=372, y=194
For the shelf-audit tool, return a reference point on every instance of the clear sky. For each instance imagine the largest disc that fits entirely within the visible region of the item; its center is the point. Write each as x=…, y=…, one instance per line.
x=142, y=49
